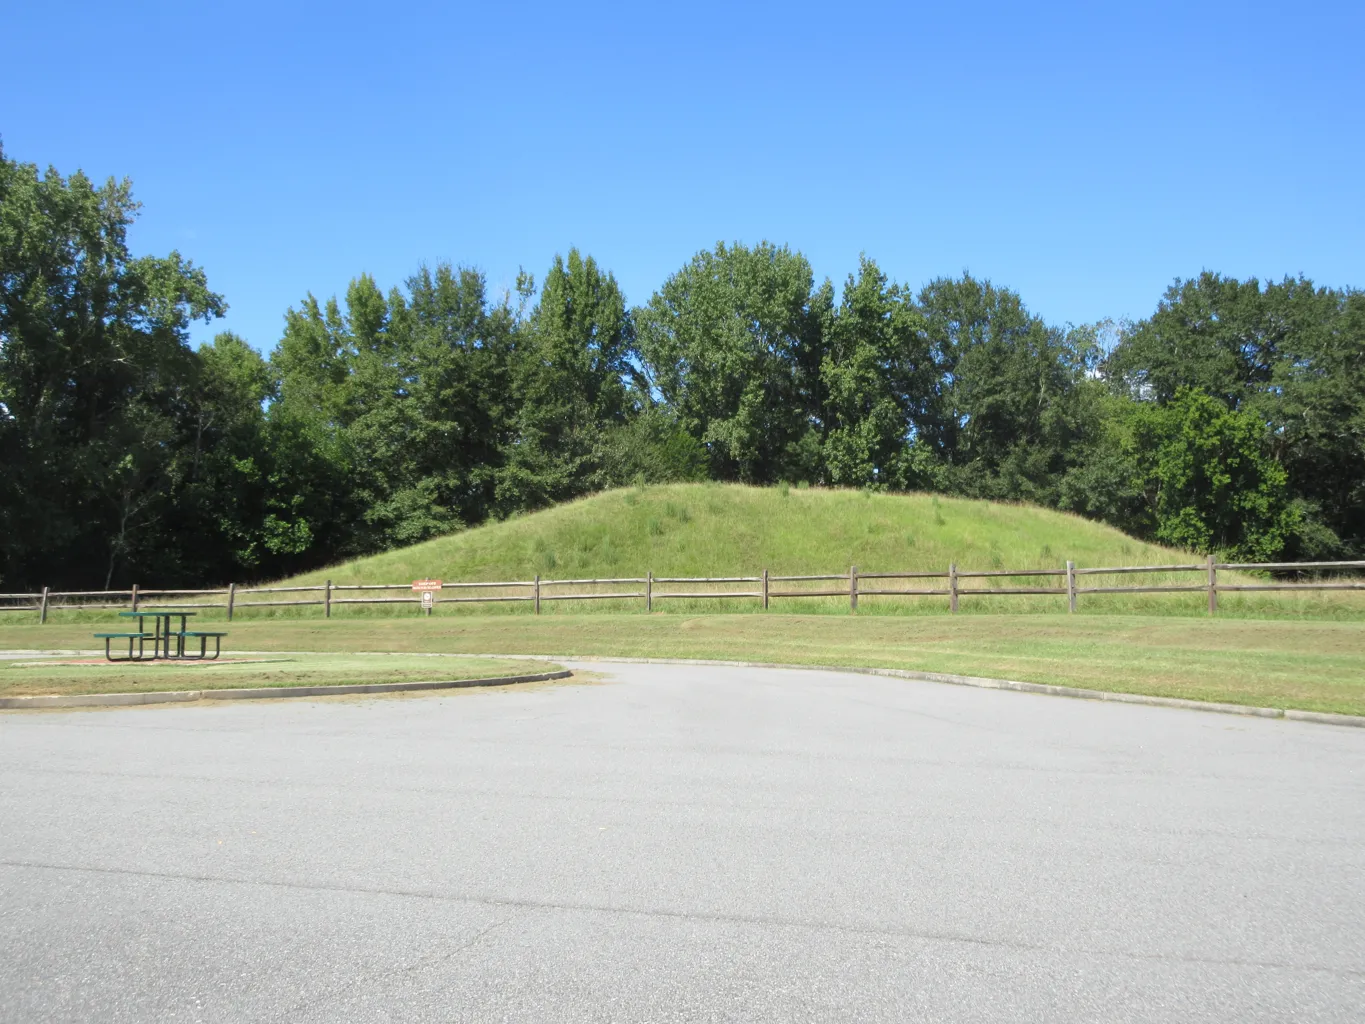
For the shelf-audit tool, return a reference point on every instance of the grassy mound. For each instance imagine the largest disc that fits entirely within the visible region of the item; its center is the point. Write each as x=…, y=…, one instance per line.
x=729, y=530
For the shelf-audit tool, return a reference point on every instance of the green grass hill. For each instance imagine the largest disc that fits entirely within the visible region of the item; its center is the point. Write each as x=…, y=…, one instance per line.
x=731, y=530
x=728, y=530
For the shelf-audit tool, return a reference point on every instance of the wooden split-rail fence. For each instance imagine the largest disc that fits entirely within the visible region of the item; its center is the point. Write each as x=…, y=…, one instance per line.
x=1065, y=582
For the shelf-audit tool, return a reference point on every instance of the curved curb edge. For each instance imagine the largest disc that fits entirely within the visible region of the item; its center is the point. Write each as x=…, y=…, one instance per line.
x=980, y=682
x=90, y=700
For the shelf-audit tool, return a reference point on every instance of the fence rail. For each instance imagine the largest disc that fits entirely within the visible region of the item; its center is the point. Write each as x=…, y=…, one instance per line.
x=46, y=601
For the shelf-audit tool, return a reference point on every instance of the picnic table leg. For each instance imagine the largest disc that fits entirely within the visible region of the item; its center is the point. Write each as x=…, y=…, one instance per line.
x=203, y=654
x=109, y=653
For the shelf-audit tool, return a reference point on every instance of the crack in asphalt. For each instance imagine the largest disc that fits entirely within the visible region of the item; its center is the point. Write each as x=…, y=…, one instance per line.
x=370, y=978
x=767, y=920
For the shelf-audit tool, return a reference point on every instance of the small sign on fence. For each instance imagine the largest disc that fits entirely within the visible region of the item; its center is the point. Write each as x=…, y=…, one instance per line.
x=427, y=589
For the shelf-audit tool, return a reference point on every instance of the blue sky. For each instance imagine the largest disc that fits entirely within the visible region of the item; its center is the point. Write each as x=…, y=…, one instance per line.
x=1084, y=155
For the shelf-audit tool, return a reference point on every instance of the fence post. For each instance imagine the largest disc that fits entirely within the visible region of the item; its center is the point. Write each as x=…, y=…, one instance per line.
x=134, y=597
x=327, y=600
x=853, y=588
x=649, y=590
x=232, y=598
x=1071, y=584
x=1213, y=586
x=765, y=590
x=537, y=593
x=952, y=588
x=42, y=608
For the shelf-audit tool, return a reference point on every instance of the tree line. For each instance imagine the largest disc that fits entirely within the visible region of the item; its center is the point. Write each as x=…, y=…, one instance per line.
x=1231, y=420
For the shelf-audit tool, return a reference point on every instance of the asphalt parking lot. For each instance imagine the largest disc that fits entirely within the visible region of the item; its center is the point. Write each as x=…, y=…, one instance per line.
x=674, y=843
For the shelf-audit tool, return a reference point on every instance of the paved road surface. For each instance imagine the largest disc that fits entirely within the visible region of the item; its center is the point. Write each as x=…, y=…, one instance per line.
x=681, y=844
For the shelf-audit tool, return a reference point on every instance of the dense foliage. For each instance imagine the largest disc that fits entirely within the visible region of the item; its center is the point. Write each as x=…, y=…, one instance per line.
x=1231, y=420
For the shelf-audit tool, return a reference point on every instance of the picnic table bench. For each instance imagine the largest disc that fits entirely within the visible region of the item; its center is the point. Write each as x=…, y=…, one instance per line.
x=167, y=642
x=203, y=644
x=141, y=639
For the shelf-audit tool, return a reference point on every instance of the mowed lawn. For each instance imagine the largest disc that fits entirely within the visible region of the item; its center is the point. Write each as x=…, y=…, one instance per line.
x=1315, y=665
x=65, y=675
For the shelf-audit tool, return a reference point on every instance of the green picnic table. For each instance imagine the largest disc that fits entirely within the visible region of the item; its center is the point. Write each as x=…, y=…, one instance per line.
x=167, y=642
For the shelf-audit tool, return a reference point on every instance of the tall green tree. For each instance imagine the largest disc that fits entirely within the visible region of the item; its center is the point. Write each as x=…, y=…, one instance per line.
x=1007, y=405
x=1208, y=479
x=878, y=376
x=95, y=374
x=1215, y=334
x=1315, y=409
x=733, y=343
x=390, y=436
x=571, y=387
x=464, y=345
x=406, y=399
x=1289, y=353
x=219, y=506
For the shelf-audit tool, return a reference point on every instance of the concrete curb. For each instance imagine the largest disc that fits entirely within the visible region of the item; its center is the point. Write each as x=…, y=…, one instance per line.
x=1318, y=717
x=92, y=700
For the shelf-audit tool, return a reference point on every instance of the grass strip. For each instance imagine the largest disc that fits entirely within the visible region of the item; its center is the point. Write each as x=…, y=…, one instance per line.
x=41, y=676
